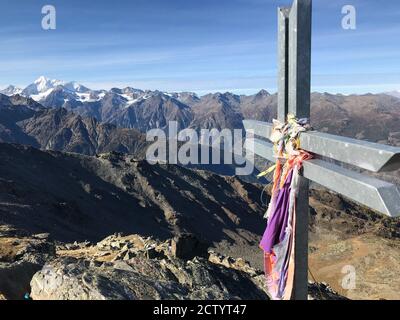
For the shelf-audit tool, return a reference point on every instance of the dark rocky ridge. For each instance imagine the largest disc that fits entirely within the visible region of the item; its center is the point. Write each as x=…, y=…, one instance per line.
x=78, y=197
x=75, y=198
x=24, y=121
x=60, y=130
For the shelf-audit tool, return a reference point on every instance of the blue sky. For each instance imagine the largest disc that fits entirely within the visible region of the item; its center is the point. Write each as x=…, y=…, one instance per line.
x=202, y=46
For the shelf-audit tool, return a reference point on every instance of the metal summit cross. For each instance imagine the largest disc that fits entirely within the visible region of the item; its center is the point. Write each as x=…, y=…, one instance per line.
x=294, y=58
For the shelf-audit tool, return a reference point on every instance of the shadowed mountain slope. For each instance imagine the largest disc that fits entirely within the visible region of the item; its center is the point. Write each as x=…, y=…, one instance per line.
x=78, y=197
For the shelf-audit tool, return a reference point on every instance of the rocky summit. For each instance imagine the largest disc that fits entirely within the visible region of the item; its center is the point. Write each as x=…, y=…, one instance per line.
x=78, y=222
x=133, y=267
x=127, y=267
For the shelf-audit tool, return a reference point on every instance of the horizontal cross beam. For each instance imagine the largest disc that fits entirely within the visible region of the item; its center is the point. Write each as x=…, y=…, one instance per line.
x=379, y=195
x=371, y=156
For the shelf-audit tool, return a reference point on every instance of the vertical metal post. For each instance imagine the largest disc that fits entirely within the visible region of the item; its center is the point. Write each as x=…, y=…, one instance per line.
x=283, y=62
x=299, y=105
x=300, y=58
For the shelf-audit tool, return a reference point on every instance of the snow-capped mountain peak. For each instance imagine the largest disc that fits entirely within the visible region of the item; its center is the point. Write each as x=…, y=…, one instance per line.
x=41, y=86
x=44, y=84
x=56, y=93
x=76, y=87
x=11, y=90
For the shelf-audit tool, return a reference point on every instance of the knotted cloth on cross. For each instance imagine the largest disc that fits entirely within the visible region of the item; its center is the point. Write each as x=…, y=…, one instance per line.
x=278, y=240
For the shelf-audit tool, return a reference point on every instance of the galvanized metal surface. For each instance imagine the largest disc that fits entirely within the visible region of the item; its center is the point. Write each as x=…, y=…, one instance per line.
x=379, y=195
x=367, y=155
x=283, y=62
x=376, y=194
x=259, y=128
x=300, y=58
x=299, y=73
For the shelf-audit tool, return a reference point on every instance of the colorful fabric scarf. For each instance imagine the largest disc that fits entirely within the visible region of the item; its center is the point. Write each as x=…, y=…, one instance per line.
x=278, y=240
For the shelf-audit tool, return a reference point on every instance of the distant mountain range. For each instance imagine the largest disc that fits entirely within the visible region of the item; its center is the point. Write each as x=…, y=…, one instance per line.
x=373, y=117
x=128, y=107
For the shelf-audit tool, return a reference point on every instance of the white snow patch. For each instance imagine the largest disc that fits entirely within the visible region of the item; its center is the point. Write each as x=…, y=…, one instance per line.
x=42, y=95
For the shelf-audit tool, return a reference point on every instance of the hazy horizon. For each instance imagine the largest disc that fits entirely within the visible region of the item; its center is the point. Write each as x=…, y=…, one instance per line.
x=243, y=91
